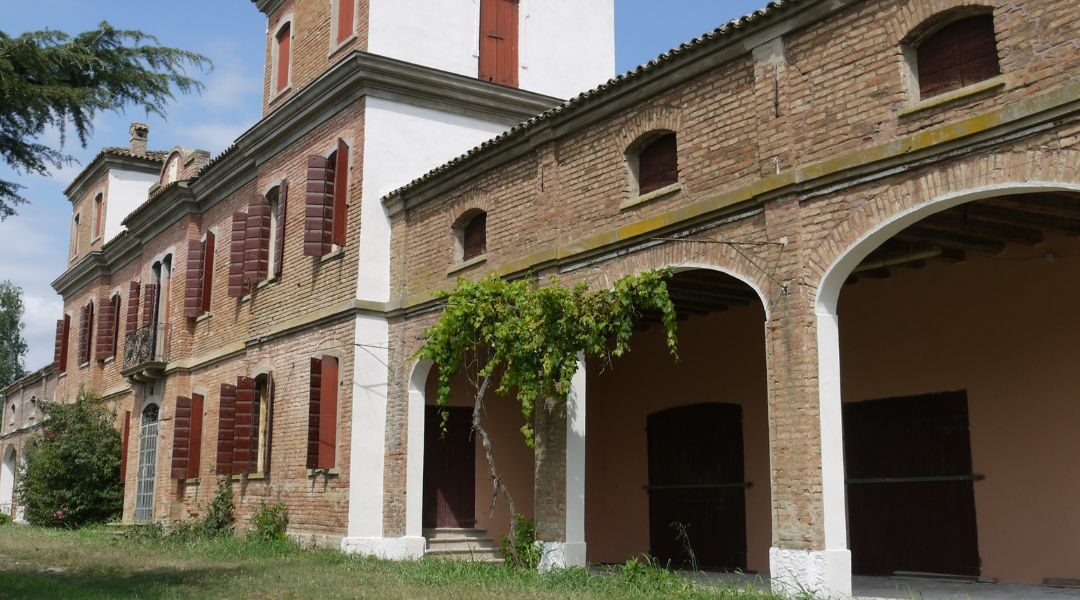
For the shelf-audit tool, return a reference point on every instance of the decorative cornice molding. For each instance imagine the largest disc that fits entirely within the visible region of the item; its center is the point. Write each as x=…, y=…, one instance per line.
x=104, y=162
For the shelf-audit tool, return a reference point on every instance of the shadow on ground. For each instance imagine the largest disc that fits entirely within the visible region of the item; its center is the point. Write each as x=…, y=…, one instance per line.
x=24, y=582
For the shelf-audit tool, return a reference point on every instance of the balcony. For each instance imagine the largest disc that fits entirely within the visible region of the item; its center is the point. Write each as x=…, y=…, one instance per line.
x=146, y=352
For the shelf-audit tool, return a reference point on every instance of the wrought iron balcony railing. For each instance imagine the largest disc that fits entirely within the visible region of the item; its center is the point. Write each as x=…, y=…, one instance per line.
x=148, y=344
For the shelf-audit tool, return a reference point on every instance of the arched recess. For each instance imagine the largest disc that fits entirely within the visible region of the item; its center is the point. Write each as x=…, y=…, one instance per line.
x=414, y=475
x=7, y=480
x=876, y=232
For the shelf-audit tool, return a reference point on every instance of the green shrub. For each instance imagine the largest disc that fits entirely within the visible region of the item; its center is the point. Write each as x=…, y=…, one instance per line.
x=5, y=519
x=270, y=521
x=71, y=475
x=218, y=521
x=522, y=551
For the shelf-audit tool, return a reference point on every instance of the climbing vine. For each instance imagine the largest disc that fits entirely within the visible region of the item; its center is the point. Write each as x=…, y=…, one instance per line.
x=526, y=337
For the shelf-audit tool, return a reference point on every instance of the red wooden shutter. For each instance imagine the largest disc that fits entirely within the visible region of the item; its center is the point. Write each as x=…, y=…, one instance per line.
x=257, y=241
x=268, y=441
x=658, y=164
x=474, y=237
x=318, y=207
x=284, y=41
x=116, y=325
x=245, y=451
x=82, y=336
x=181, y=450
x=124, y=446
x=149, y=304
x=345, y=19
x=314, y=410
x=328, y=412
x=226, y=429
x=193, y=279
x=341, y=190
x=207, y=271
x=133, y=307
x=236, y=255
x=86, y=331
x=499, y=41
x=105, y=346
x=960, y=54
x=59, y=360
x=195, y=453
x=283, y=204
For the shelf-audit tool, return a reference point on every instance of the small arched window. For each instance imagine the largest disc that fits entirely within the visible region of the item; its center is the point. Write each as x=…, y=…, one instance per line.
x=655, y=165
x=282, y=56
x=474, y=237
x=957, y=55
x=99, y=206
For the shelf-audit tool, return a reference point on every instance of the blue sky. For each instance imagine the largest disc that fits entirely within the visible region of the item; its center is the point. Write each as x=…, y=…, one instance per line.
x=33, y=244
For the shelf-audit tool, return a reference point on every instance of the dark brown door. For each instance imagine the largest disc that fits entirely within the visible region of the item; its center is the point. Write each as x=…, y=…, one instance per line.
x=910, y=487
x=696, y=484
x=449, y=469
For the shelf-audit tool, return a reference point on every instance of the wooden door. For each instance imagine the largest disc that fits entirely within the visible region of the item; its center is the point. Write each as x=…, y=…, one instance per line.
x=449, y=469
x=499, y=41
x=910, y=487
x=696, y=480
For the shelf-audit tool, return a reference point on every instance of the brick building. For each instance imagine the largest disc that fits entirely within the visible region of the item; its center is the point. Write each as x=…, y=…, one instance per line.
x=913, y=162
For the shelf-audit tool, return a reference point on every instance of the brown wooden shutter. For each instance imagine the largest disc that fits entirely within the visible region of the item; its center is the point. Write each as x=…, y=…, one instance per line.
x=341, y=190
x=195, y=453
x=658, y=164
x=283, y=204
x=284, y=41
x=181, y=449
x=106, y=335
x=314, y=409
x=345, y=19
x=319, y=207
x=226, y=429
x=193, y=279
x=133, y=307
x=124, y=447
x=328, y=413
x=149, y=304
x=268, y=442
x=59, y=360
x=959, y=54
x=245, y=451
x=257, y=241
x=474, y=237
x=499, y=41
x=207, y=283
x=237, y=289
x=86, y=331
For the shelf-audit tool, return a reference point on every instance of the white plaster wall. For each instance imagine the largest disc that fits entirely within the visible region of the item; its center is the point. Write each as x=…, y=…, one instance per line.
x=564, y=46
x=401, y=143
x=369, y=429
x=127, y=190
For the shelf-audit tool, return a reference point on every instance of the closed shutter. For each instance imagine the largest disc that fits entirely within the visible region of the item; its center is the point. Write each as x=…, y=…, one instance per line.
x=245, y=451
x=283, y=204
x=195, y=452
x=318, y=207
x=86, y=330
x=207, y=283
x=181, y=450
x=60, y=350
x=328, y=413
x=193, y=279
x=124, y=446
x=133, y=307
x=475, y=237
x=149, y=304
x=226, y=429
x=345, y=19
x=314, y=409
x=236, y=255
x=960, y=54
x=341, y=190
x=267, y=442
x=257, y=241
x=658, y=164
x=499, y=41
x=284, y=41
x=106, y=340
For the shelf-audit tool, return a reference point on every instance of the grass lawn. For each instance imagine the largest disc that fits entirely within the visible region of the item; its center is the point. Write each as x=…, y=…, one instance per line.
x=93, y=563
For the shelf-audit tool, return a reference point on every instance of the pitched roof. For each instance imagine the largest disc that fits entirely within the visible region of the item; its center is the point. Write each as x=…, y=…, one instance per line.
x=573, y=105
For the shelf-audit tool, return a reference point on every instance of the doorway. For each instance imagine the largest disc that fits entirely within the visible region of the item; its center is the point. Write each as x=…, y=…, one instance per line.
x=147, y=473
x=449, y=469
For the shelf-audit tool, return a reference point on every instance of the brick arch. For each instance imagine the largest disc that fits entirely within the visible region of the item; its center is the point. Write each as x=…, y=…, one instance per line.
x=912, y=18
x=656, y=118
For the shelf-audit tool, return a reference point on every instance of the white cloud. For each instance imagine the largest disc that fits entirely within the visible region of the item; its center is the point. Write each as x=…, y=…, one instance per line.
x=39, y=319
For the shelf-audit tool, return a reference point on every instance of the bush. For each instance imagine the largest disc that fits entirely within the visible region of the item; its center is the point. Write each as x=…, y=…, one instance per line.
x=71, y=475
x=5, y=519
x=218, y=521
x=270, y=521
x=522, y=551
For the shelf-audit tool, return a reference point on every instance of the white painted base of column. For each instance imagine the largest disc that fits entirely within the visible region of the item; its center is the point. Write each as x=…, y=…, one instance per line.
x=560, y=555
x=824, y=573
x=400, y=548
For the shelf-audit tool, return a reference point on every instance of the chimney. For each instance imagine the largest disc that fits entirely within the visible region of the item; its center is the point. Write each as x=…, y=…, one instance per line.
x=139, y=133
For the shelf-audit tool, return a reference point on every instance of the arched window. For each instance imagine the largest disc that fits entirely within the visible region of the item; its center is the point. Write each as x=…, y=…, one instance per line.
x=282, y=56
x=654, y=162
x=99, y=225
x=273, y=200
x=75, y=236
x=471, y=235
x=957, y=55
x=264, y=401
x=171, y=171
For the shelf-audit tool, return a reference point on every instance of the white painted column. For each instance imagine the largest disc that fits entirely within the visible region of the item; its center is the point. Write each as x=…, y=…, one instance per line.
x=414, y=540
x=571, y=551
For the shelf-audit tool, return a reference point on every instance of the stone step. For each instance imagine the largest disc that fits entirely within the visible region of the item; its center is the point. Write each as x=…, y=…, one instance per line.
x=485, y=556
x=455, y=533
x=462, y=545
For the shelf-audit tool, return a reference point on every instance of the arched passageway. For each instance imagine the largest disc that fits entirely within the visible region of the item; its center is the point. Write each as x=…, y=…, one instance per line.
x=677, y=452
x=955, y=358
x=8, y=471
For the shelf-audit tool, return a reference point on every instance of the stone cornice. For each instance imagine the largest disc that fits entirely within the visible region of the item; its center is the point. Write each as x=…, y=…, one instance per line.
x=104, y=162
x=165, y=209
x=90, y=267
x=267, y=7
